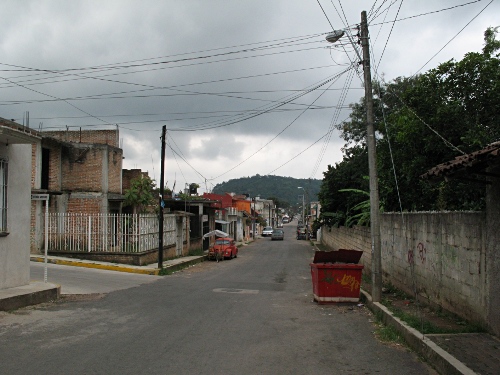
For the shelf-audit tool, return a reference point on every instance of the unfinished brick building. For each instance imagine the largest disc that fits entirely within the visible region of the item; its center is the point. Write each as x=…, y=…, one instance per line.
x=82, y=172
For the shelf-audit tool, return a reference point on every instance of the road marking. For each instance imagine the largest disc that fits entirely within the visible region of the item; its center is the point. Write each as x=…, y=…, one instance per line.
x=237, y=291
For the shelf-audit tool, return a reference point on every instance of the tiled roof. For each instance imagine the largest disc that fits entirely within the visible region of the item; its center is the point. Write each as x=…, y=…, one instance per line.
x=475, y=162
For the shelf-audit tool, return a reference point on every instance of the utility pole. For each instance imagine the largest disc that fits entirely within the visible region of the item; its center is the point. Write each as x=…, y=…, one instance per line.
x=372, y=166
x=303, y=211
x=269, y=215
x=253, y=216
x=162, y=203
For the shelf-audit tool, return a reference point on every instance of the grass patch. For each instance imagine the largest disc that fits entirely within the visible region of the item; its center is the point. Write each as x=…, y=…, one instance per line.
x=388, y=334
x=422, y=317
x=170, y=270
x=385, y=333
x=196, y=252
x=366, y=279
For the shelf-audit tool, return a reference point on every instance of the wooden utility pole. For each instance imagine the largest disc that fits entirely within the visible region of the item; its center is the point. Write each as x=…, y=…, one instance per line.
x=372, y=165
x=162, y=203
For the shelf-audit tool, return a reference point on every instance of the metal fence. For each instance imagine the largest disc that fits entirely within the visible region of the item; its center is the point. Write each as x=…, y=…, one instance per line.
x=108, y=232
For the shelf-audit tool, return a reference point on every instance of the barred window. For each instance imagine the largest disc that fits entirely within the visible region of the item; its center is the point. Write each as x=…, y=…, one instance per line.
x=3, y=195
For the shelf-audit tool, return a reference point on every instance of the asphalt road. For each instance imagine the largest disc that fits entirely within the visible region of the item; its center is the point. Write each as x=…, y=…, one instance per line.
x=250, y=315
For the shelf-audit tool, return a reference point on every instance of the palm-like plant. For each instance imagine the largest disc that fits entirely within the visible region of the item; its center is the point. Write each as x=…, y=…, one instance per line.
x=363, y=217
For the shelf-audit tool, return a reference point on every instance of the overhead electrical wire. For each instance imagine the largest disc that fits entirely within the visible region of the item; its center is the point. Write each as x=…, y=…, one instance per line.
x=163, y=120
x=390, y=33
x=130, y=64
x=424, y=14
x=175, y=158
x=266, y=109
x=335, y=117
x=301, y=152
x=150, y=87
x=276, y=136
x=462, y=29
x=72, y=105
x=185, y=161
x=85, y=74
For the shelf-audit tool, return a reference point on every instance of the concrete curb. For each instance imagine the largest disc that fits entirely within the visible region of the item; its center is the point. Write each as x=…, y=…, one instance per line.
x=181, y=265
x=440, y=359
x=172, y=265
x=102, y=266
x=27, y=295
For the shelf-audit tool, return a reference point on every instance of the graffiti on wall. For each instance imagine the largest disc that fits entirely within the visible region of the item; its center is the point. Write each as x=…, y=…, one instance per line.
x=420, y=252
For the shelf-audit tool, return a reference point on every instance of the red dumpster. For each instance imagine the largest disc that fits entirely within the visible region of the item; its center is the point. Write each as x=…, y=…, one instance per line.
x=336, y=276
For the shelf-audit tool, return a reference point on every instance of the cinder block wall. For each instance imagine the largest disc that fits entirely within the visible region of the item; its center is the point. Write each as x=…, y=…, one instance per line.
x=446, y=251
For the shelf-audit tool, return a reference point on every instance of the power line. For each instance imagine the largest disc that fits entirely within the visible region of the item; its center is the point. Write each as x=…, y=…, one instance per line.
x=276, y=136
x=390, y=32
x=264, y=110
x=424, y=14
x=462, y=29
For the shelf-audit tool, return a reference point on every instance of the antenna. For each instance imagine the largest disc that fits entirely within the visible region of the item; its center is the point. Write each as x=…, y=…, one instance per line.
x=154, y=177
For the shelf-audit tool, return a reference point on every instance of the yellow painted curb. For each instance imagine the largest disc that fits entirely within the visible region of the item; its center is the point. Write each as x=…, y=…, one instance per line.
x=108, y=267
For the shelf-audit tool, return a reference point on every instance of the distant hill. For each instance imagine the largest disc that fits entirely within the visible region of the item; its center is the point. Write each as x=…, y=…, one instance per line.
x=283, y=188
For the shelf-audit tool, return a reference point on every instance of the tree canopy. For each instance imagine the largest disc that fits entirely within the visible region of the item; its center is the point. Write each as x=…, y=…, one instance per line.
x=420, y=121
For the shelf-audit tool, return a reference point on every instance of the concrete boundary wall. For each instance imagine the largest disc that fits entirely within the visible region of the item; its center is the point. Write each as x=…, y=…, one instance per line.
x=442, y=254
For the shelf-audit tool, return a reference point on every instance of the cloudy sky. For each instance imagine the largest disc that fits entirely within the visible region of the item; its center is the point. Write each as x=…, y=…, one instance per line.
x=243, y=87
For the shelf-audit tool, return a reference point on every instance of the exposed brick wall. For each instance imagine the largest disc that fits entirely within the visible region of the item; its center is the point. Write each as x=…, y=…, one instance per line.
x=115, y=170
x=34, y=147
x=446, y=250
x=55, y=182
x=129, y=175
x=54, y=165
x=106, y=137
x=85, y=175
x=85, y=205
x=226, y=200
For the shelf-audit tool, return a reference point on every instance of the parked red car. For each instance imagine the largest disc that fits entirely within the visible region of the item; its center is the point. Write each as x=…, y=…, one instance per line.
x=226, y=246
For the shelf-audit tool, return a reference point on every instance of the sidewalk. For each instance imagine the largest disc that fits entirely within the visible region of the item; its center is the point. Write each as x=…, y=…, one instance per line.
x=150, y=269
x=39, y=292
x=461, y=353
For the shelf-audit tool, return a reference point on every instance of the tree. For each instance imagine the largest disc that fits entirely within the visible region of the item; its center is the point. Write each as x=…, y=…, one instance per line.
x=422, y=121
x=348, y=174
x=141, y=194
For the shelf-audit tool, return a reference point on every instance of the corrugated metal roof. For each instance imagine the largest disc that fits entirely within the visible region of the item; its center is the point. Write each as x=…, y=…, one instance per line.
x=475, y=162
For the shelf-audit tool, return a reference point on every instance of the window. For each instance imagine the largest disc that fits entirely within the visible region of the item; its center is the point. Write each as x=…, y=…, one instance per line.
x=3, y=195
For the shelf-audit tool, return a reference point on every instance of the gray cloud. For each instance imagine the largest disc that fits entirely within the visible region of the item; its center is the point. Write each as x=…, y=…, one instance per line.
x=150, y=86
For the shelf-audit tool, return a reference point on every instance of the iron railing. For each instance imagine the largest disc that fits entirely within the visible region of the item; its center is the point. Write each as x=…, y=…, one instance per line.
x=108, y=232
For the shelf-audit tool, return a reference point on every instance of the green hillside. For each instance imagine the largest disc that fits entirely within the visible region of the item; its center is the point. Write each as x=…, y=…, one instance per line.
x=283, y=188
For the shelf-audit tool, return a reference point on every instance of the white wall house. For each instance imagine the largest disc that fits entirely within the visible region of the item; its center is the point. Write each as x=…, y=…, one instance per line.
x=15, y=203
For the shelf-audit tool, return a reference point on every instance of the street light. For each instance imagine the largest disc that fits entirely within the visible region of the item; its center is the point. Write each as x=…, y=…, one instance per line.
x=372, y=157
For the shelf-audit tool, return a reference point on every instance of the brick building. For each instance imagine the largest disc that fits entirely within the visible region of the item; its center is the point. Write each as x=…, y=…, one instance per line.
x=82, y=172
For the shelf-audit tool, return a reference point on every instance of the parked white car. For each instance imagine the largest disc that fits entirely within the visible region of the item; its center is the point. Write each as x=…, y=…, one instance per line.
x=267, y=232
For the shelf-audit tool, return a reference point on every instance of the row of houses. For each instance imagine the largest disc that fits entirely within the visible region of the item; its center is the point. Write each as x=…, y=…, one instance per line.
x=68, y=186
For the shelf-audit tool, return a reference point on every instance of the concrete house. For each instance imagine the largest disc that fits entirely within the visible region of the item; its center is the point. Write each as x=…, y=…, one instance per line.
x=15, y=169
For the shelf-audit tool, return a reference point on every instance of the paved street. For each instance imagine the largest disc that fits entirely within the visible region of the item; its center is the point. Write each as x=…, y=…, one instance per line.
x=250, y=315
